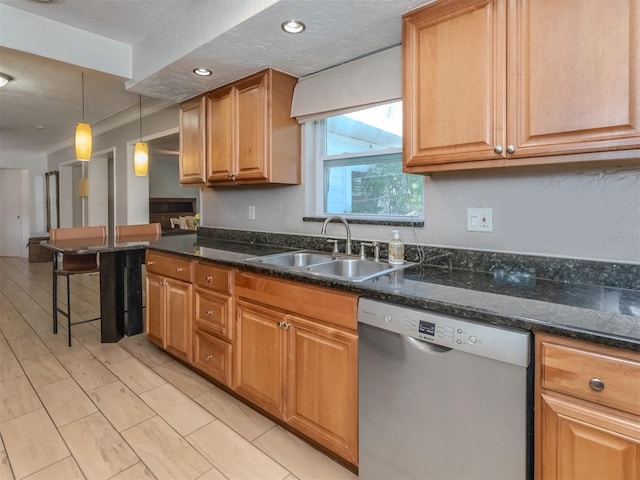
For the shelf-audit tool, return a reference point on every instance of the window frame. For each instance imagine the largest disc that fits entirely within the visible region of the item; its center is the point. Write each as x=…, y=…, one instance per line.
x=319, y=160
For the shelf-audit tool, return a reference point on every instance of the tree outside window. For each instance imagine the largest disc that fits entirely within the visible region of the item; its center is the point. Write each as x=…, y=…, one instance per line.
x=362, y=165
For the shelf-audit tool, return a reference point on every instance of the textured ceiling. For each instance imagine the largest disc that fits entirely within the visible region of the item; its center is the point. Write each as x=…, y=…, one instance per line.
x=150, y=47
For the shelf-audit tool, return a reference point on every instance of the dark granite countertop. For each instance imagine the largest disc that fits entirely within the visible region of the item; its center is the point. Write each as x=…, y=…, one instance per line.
x=604, y=315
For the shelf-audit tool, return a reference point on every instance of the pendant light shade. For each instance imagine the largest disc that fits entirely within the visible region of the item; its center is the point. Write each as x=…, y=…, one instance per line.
x=141, y=152
x=83, y=142
x=83, y=187
x=141, y=159
x=83, y=135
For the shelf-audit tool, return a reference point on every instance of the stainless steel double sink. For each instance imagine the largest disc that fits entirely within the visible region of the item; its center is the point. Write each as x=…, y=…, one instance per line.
x=338, y=266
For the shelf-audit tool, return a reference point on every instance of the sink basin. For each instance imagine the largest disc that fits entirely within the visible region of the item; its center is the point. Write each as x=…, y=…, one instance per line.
x=294, y=259
x=350, y=267
x=338, y=266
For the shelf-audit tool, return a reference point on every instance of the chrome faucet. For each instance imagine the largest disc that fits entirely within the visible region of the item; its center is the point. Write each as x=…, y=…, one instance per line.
x=346, y=225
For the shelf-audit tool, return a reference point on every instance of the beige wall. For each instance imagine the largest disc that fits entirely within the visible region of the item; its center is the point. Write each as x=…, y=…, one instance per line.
x=131, y=192
x=564, y=211
x=591, y=213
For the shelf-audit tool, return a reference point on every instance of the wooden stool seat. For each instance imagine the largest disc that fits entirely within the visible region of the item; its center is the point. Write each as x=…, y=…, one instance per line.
x=73, y=264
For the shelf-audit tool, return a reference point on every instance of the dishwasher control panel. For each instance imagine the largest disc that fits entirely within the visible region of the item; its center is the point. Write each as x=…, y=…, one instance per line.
x=499, y=343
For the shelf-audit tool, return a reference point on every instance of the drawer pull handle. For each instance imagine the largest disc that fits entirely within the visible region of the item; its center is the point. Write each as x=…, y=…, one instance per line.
x=179, y=269
x=208, y=357
x=209, y=278
x=208, y=312
x=151, y=262
x=596, y=384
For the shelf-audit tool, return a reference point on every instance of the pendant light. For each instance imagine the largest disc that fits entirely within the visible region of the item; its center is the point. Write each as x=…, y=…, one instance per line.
x=83, y=135
x=141, y=152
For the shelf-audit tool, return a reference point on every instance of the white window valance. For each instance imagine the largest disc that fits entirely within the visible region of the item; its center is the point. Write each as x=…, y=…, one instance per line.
x=370, y=80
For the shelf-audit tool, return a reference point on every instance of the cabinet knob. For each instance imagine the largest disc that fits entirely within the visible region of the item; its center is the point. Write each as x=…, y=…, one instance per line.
x=208, y=357
x=497, y=149
x=151, y=262
x=160, y=283
x=209, y=278
x=596, y=384
x=208, y=312
x=179, y=269
x=511, y=149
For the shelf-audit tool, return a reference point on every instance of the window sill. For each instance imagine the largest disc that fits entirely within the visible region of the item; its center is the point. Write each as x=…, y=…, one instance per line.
x=361, y=221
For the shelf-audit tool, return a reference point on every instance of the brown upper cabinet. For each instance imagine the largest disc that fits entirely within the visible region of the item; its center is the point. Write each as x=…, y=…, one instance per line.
x=192, y=141
x=491, y=83
x=242, y=133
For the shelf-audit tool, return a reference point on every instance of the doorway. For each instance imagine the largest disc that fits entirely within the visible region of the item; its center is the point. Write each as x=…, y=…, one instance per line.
x=14, y=200
x=87, y=192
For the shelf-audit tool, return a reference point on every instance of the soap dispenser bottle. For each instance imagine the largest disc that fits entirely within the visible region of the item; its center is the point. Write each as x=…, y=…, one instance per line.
x=396, y=249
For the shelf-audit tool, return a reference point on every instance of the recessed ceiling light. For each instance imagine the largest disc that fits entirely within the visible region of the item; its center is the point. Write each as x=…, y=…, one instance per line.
x=40, y=127
x=203, y=72
x=293, y=26
x=4, y=79
x=48, y=1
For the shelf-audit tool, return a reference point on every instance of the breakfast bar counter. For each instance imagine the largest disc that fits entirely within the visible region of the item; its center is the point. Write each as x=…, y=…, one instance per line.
x=120, y=262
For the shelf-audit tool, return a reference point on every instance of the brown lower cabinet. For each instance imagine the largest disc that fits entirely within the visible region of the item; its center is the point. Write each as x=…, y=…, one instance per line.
x=213, y=321
x=286, y=347
x=587, y=411
x=296, y=357
x=169, y=303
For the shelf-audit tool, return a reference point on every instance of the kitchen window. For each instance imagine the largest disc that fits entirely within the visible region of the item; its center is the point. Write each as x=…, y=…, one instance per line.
x=359, y=167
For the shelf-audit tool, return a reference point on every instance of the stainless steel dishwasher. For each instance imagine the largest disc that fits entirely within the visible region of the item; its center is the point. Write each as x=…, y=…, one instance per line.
x=441, y=397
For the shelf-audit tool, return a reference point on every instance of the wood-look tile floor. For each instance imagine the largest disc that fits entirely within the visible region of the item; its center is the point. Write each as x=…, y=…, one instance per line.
x=121, y=411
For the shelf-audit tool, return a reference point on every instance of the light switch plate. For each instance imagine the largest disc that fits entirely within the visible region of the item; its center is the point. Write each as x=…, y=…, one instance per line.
x=479, y=220
x=252, y=212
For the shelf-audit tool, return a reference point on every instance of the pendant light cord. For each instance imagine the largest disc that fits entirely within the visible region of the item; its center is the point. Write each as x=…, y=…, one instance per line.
x=140, y=118
x=83, y=97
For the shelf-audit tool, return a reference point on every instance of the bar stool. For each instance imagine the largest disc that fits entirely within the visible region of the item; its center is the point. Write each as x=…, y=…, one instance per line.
x=123, y=231
x=73, y=264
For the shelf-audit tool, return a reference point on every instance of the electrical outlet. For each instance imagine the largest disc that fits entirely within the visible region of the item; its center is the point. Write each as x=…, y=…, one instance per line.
x=479, y=220
x=252, y=212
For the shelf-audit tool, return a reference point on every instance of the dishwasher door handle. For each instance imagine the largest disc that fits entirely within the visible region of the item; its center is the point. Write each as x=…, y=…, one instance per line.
x=425, y=346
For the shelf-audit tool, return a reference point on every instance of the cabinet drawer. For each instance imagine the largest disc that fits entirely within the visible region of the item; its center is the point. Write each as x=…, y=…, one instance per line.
x=331, y=306
x=213, y=277
x=169, y=266
x=597, y=374
x=213, y=312
x=213, y=357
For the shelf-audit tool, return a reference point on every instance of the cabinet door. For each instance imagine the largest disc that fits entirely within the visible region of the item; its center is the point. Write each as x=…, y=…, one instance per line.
x=155, y=309
x=179, y=323
x=251, y=124
x=221, y=148
x=259, y=356
x=323, y=385
x=454, y=81
x=573, y=73
x=192, y=141
x=586, y=442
